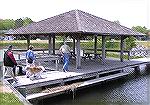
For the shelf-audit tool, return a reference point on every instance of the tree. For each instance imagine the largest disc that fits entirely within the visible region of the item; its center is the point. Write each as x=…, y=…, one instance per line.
x=1, y=25
x=117, y=21
x=141, y=29
x=27, y=21
x=130, y=42
x=7, y=24
x=18, y=23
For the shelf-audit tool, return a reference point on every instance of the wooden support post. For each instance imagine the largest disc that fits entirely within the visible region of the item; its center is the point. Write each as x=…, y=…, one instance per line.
x=28, y=41
x=1, y=70
x=129, y=55
x=103, y=48
x=74, y=46
x=121, y=48
x=95, y=45
x=53, y=44
x=78, y=60
x=19, y=56
x=49, y=44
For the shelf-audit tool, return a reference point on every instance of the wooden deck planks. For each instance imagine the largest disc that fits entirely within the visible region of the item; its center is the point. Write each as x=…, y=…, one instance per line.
x=89, y=67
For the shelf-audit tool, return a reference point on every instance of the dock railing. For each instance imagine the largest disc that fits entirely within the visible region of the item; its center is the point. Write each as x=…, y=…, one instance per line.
x=107, y=50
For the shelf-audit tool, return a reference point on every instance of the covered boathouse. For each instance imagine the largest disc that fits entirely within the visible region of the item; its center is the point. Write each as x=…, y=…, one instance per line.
x=77, y=25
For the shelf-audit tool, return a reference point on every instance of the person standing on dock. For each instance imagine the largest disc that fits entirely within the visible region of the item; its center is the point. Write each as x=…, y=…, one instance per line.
x=10, y=62
x=65, y=51
x=30, y=56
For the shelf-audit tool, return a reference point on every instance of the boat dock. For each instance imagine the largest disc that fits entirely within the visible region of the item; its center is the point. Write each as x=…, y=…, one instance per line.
x=55, y=82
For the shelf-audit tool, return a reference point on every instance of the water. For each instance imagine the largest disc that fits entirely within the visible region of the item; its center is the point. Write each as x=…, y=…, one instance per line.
x=133, y=90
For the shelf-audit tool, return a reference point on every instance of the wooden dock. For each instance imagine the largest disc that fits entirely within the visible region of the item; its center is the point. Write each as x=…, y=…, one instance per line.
x=57, y=82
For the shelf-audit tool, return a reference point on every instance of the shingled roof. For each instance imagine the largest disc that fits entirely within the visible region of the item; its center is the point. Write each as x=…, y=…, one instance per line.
x=75, y=21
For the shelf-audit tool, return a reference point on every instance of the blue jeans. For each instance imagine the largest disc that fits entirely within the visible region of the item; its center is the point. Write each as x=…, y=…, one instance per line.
x=66, y=61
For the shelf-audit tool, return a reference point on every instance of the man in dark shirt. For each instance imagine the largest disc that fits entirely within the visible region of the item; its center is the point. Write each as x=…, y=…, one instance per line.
x=10, y=62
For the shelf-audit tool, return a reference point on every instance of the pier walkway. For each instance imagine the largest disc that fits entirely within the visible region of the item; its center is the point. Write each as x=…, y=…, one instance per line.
x=92, y=71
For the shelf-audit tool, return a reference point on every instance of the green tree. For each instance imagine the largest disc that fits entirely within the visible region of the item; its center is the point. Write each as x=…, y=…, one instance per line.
x=1, y=25
x=141, y=29
x=130, y=42
x=18, y=23
x=7, y=24
x=27, y=21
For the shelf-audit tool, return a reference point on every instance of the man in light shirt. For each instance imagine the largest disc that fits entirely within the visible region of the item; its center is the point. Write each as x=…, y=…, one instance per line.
x=65, y=51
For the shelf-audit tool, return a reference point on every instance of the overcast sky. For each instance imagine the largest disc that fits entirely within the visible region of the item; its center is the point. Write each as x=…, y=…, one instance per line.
x=128, y=12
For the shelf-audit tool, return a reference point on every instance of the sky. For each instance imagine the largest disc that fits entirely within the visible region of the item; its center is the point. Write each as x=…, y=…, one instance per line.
x=128, y=12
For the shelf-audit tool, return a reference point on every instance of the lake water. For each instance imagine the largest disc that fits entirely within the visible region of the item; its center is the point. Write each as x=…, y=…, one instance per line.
x=132, y=90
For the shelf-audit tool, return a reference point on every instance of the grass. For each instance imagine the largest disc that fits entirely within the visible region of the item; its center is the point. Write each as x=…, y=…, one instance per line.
x=9, y=99
x=144, y=43
x=115, y=55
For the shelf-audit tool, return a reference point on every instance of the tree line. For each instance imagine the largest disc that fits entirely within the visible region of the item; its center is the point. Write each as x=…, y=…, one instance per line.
x=6, y=24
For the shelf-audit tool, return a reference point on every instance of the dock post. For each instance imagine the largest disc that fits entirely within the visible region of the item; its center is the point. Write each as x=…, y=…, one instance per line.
x=97, y=75
x=147, y=68
x=73, y=93
x=137, y=69
x=62, y=82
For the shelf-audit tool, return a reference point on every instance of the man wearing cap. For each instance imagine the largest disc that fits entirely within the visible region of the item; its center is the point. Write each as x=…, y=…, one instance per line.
x=10, y=62
x=65, y=51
